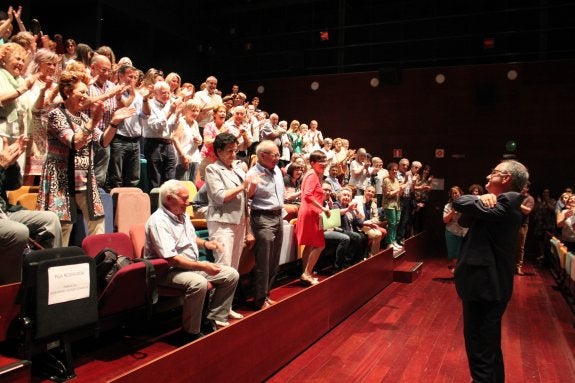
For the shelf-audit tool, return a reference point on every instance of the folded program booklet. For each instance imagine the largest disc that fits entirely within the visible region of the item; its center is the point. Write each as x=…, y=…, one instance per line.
x=333, y=221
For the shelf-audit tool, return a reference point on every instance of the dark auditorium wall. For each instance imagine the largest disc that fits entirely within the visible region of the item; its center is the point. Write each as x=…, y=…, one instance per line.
x=472, y=116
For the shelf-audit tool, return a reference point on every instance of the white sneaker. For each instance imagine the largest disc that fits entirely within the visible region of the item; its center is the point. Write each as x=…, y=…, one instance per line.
x=397, y=246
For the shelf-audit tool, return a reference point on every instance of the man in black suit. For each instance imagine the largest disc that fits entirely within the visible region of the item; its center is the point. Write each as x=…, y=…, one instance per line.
x=484, y=273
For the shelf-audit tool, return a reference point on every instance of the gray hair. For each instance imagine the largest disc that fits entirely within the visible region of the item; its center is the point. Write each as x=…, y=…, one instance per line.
x=518, y=172
x=170, y=187
x=264, y=146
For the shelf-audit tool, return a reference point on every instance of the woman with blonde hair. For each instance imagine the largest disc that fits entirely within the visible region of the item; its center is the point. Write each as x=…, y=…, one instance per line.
x=44, y=97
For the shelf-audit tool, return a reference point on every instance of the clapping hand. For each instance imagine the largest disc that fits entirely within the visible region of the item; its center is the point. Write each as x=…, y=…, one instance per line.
x=10, y=153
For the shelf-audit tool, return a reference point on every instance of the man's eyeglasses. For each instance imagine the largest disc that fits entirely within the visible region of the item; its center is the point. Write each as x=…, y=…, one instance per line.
x=496, y=172
x=274, y=155
x=183, y=199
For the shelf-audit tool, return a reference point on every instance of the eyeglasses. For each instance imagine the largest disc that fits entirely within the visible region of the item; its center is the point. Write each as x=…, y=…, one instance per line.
x=496, y=172
x=183, y=199
x=274, y=155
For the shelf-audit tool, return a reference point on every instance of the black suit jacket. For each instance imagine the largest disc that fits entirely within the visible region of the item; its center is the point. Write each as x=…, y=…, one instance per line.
x=486, y=264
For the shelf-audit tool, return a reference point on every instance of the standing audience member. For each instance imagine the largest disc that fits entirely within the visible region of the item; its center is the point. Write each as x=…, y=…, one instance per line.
x=421, y=189
x=171, y=236
x=266, y=220
x=227, y=215
x=105, y=91
x=566, y=222
x=295, y=137
x=392, y=189
x=158, y=147
x=227, y=188
x=239, y=128
x=211, y=130
x=544, y=221
x=16, y=224
x=314, y=136
x=187, y=140
x=308, y=231
x=476, y=189
x=68, y=180
x=272, y=131
x=358, y=170
x=454, y=233
x=526, y=208
x=484, y=273
x=15, y=109
x=378, y=174
x=44, y=97
x=404, y=177
x=207, y=98
x=124, y=166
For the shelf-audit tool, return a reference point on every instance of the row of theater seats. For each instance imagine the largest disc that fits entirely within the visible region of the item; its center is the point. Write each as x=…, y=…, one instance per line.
x=51, y=314
x=563, y=269
x=123, y=206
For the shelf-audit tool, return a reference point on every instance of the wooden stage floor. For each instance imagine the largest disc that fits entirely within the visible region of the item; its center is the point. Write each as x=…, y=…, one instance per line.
x=399, y=333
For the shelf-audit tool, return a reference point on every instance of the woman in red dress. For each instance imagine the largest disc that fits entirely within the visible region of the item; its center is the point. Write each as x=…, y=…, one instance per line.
x=308, y=231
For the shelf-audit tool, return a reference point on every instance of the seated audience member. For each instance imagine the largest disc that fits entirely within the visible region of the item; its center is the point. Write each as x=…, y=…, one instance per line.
x=171, y=236
x=17, y=225
x=292, y=198
x=200, y=202
x=335, y=238
x=566, y=222
x=333, y=180
x=351, y=223
x=371, y=228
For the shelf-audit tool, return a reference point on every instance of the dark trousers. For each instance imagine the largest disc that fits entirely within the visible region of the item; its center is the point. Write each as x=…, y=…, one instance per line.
x=405, y=205
x=341, y=243
x=101, y=160
x=268, y=232
x=124, y=166
x=161, y=158
x=482, y=332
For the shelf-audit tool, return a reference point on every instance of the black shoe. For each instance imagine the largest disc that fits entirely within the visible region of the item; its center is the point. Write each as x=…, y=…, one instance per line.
x=208, y=326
